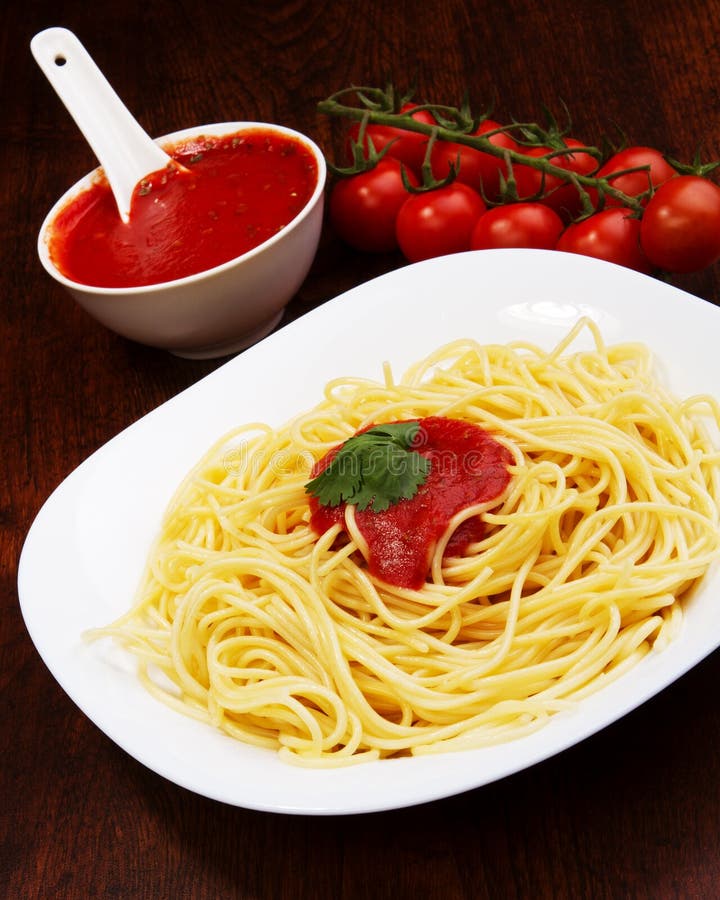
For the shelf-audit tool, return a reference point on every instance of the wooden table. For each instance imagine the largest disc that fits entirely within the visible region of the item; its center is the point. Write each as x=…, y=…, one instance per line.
x=631, y=812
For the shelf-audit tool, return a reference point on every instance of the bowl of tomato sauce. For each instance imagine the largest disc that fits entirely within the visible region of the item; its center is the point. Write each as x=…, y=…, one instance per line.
x=215, y=247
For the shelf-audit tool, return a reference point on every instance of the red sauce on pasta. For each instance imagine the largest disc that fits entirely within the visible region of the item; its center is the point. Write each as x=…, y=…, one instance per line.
x=240, y=190
x=468, y=467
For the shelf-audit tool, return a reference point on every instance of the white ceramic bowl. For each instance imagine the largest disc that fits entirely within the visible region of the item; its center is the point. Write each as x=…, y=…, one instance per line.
x=219, y=311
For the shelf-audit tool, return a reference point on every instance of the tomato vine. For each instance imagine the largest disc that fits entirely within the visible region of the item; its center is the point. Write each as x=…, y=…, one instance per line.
x=378, y=106
x=431, y=179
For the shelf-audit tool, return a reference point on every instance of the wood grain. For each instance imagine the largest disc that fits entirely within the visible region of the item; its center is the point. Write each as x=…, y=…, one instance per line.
x=632, y=812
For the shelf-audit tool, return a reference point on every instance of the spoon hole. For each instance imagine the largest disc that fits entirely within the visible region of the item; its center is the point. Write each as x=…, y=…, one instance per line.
x=60, y=60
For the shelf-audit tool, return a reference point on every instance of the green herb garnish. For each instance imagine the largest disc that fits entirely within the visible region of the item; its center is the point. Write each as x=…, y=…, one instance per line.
x=375, y=469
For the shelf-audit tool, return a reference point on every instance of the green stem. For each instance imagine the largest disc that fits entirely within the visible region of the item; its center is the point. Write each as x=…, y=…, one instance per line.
x=378, y=110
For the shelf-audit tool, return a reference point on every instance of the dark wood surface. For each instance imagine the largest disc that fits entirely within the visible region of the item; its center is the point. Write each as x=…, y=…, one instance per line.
x=631, y=812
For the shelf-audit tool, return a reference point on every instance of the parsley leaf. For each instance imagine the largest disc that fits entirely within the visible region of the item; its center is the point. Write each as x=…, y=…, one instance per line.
x=373, y=469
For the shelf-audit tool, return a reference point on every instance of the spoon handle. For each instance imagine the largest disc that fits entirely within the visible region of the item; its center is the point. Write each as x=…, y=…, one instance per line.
x=125, y=151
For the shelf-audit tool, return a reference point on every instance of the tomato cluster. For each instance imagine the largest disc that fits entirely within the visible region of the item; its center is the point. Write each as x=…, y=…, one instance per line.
x=670, y=221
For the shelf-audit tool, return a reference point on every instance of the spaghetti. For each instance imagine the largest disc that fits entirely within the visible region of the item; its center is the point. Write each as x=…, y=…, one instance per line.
x=248, y=619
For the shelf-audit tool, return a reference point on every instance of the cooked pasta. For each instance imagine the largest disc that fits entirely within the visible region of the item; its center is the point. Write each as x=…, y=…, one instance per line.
x=249, y=620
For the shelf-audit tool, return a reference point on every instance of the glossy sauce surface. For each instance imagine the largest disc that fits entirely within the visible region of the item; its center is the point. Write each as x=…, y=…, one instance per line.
x=468, y=467
x=238, y=191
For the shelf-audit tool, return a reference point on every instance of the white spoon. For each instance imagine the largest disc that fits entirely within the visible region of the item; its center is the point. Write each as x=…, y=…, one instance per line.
x=126, y=153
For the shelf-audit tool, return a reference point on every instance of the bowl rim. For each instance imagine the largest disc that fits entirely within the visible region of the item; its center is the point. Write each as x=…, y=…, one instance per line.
x=219, y=129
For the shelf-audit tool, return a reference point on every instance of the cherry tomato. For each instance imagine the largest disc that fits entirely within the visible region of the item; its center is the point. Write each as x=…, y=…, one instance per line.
x=562, y=196
x=438, y=222
x=680, y=229
x=475, y=167
x=611, y=235
x=517, y=225
x=407, y=146
x=363, y=208
x=635, y=183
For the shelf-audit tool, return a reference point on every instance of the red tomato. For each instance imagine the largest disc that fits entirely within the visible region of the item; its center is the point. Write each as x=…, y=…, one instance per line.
x=363, y=208
x=635, y=183
x=517, y=225
x=562, y=196
x=476, y=167
x=611, y=235
x=680, y=229
x=438, y=222
x=407, y=146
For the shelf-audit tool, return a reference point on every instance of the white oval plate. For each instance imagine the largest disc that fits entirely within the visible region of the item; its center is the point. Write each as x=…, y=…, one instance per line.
x=86, y=549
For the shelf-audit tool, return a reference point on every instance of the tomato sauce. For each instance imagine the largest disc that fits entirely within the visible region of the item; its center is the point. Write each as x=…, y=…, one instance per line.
x=239, y=190
x=468, y=466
